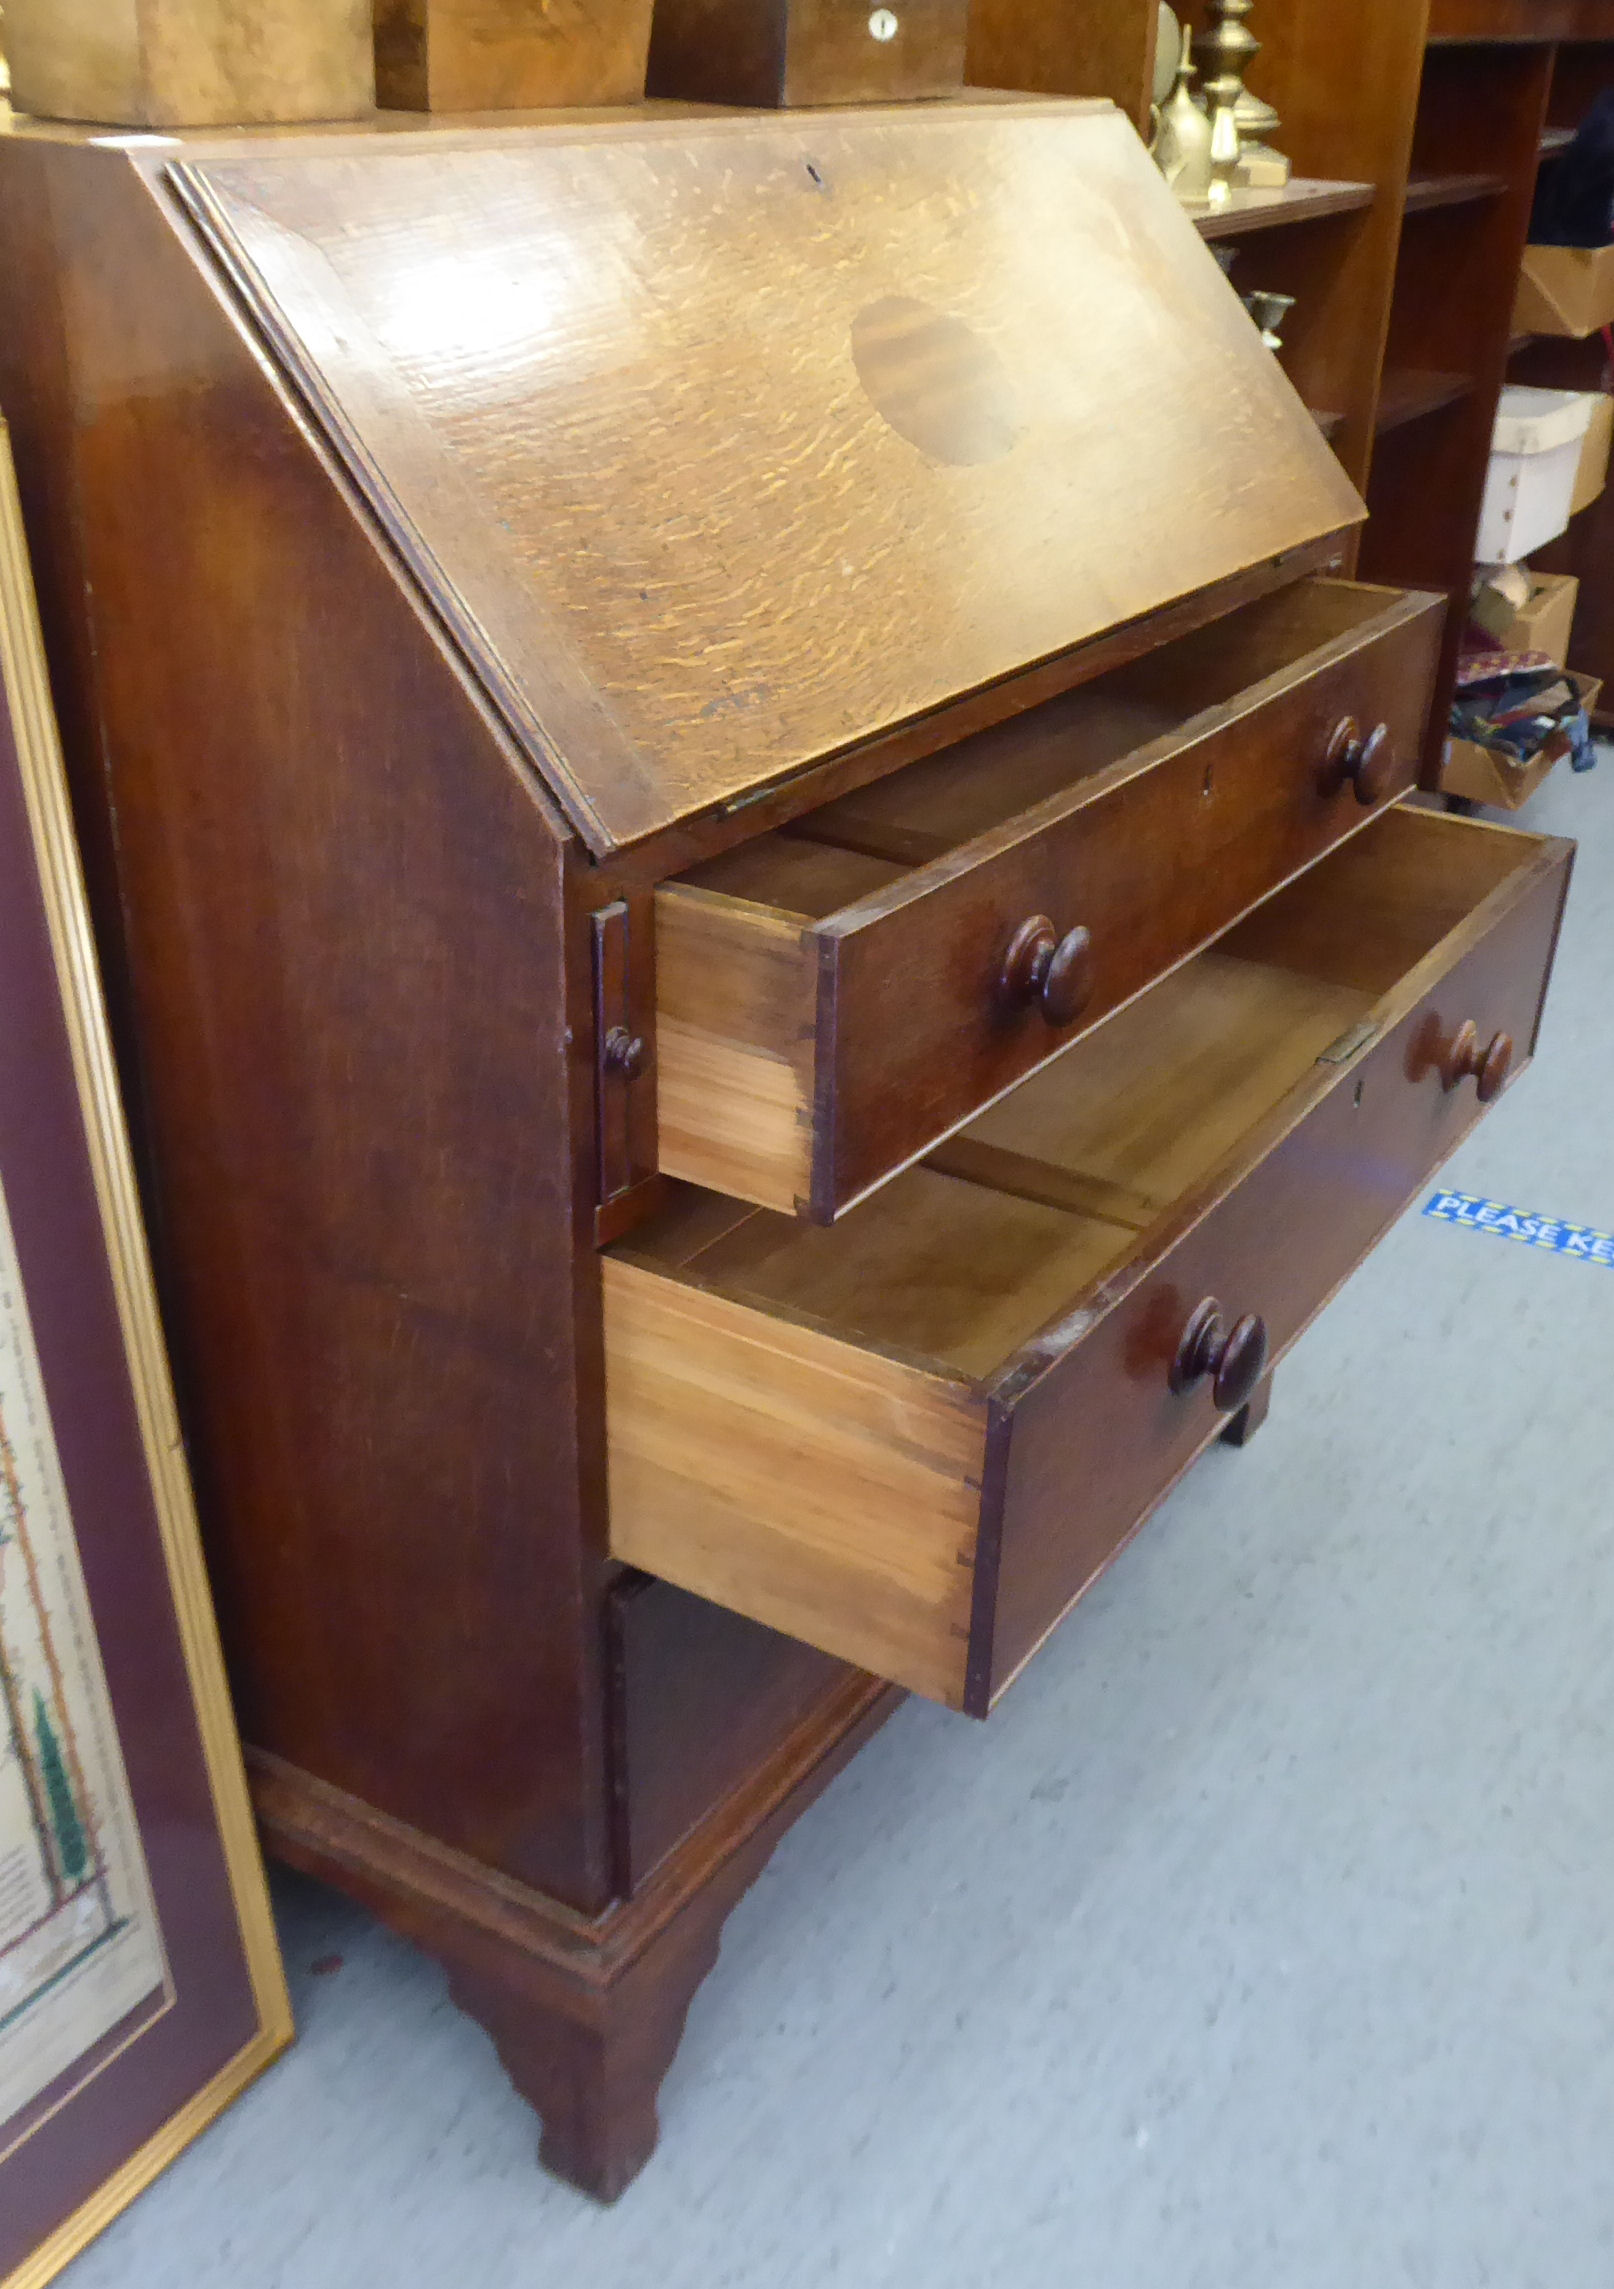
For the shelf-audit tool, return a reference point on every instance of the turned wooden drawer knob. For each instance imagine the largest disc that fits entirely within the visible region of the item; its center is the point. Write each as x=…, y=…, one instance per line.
x=1055, y=973
x=1235, y=1357
x=624, y=1052
x=1464, y=1060
x=1366, y=764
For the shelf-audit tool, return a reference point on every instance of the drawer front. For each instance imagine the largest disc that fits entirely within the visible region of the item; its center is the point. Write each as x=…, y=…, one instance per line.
x=830, y=1003
x=773, y=1468
x=914, y=1032
x=1089, y=1446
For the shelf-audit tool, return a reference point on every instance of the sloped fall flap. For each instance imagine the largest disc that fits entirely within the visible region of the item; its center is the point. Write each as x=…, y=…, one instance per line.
x=721, y=443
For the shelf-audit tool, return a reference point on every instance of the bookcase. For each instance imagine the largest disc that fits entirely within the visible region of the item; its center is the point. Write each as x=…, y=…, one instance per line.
x=1581, y=70
x=1416, y=129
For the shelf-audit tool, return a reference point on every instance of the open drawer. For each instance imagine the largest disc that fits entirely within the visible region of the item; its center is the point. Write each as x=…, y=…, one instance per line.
x=913, y=1437
x=832, y=999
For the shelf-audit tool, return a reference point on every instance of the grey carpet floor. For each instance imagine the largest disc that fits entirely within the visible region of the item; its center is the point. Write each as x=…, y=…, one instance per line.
x=1264, y=1938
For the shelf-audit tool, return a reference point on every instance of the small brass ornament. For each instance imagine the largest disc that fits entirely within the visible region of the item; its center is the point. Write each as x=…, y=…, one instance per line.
x=1228, y=46
x=1269, y=312
x=1241, y=122
x=1182, y=141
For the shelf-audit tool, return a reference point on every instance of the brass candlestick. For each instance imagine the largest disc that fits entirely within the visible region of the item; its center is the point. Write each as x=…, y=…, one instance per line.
x=1182, y=138
x=1226, y=49
x=1259, y=165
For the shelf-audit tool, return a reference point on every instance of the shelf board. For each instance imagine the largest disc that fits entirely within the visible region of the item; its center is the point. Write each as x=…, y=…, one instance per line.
x=1306, y=199
x=1427, y=191
x=1408, y=395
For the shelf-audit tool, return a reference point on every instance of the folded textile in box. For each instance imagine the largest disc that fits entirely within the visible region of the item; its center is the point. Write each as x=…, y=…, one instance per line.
x=1519, y=703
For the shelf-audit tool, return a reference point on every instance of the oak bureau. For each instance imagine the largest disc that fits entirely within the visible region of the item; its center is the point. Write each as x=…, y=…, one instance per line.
x=749, y=862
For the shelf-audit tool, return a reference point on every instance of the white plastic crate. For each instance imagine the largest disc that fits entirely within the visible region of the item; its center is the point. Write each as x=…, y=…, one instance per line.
x=1535, y=454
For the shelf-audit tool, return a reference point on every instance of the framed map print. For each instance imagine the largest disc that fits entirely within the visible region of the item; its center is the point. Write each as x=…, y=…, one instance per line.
x=140, y=1987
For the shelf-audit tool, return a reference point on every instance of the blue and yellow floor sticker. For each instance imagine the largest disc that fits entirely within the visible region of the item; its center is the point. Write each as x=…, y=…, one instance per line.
x=1505, y=1223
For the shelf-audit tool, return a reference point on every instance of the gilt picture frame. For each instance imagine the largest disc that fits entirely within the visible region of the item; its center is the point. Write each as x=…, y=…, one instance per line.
x=140, y=1982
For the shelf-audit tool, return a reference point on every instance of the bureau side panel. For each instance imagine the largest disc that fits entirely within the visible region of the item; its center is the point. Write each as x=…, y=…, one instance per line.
x=334, y=909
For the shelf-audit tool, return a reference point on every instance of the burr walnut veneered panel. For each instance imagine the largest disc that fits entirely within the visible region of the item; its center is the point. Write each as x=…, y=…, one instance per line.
x=807, y=51
x=509, y=55
x=723, y=445
x=913, y=1438
x=190, y=63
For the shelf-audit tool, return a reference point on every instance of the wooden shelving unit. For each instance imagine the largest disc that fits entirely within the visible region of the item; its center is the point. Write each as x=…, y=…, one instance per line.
x=1409, y=395
x=1416, y=128
x=1581, y=70
x=1426, y=191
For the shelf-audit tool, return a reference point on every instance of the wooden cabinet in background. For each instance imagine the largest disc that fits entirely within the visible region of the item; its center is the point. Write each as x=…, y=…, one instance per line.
x=1438, y=114
x=1582, y=70
x=750, y=868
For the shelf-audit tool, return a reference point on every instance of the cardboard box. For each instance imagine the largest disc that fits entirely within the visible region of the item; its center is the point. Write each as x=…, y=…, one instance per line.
x=1485, y=775
x=1565, y=290
x=1536, y=448
x=1592, y=475
x=1540, y=625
